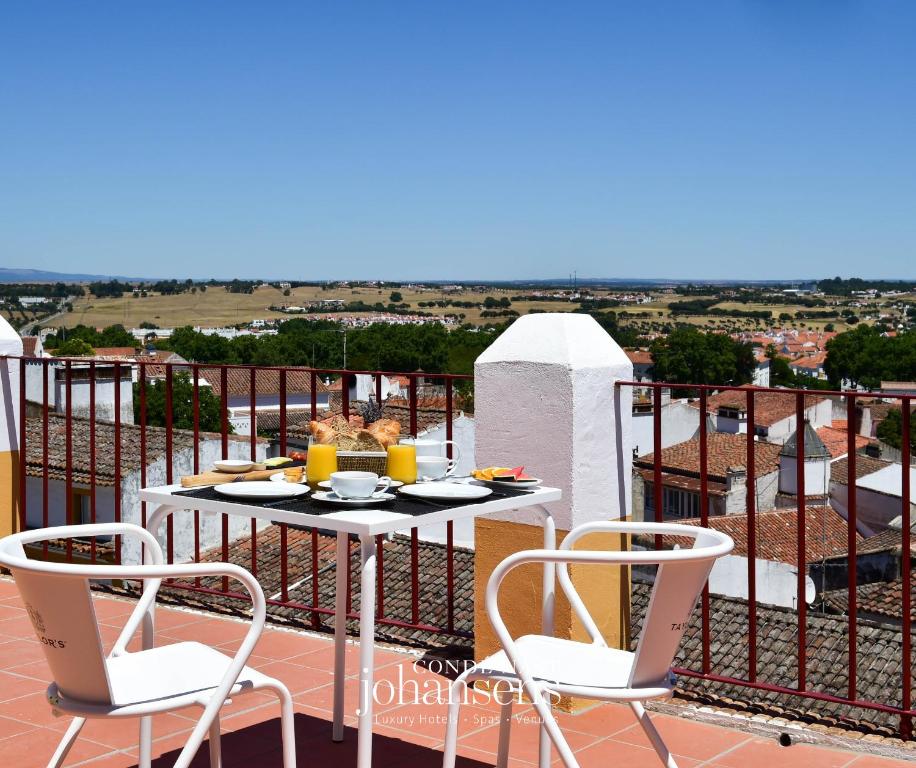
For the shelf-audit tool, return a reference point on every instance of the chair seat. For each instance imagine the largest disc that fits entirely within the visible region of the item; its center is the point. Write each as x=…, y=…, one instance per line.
x=171, y=671
x=562, y=663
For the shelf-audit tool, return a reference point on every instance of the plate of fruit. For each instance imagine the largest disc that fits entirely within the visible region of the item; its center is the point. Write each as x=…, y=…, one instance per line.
x=503, y=476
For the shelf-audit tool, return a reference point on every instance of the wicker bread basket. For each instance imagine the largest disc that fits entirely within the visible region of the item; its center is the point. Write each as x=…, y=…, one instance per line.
x=362, y=461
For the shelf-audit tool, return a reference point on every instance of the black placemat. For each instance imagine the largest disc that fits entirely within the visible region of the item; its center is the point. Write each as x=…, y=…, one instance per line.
x=404, y=505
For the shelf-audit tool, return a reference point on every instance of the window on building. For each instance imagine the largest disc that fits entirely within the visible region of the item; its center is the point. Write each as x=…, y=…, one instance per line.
x=676, y=502
x=81, y=507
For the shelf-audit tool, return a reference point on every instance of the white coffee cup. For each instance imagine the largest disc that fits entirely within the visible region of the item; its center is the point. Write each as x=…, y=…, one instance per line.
x=358, y=485
x=434, y=467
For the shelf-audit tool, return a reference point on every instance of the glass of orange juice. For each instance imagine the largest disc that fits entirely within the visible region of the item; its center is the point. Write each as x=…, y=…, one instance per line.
x=320, y=462
x=402, y=460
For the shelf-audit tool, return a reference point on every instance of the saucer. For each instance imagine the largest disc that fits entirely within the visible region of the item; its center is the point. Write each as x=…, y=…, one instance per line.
x=394, y=484
x=329, y=497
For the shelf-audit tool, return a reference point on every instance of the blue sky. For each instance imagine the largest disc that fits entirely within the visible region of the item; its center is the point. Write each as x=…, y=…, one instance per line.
x=759, y=139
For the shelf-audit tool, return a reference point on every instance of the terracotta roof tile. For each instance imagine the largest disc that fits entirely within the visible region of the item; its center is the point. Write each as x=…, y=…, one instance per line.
x=723, y=452
x=837, y=440
x=82, y=462
x=267, y=381
x=880, y=599
x=639, y=356
x=769, y=407
x=865, y=465
x=777, y=539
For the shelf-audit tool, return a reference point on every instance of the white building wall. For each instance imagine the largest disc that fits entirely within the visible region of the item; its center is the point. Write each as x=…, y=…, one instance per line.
x=104, y=397
x=776, y=583
x=817, y=476
x=680, y=422
x=819, y=415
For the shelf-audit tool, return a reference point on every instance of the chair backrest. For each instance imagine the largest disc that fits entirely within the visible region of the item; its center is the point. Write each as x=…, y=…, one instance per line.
x=678, y=584
x=63, y=617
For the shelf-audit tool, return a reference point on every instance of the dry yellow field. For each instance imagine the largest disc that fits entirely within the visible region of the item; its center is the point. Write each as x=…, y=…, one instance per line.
x=217, y=307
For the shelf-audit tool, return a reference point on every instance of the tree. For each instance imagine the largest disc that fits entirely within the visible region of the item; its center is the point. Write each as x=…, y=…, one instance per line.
x=864, y=357
x=182, y=405
x=890, y=430
x=395, y=297
x=74, y=348
x=688, y=356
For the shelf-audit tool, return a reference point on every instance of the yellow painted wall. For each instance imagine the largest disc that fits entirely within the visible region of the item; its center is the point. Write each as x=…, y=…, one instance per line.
x=604, y=589
x=9, y=492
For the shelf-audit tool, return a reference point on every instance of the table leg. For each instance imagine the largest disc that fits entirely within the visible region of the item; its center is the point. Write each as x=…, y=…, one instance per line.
x=366, y=651
x=340, y=634
x=547, y=615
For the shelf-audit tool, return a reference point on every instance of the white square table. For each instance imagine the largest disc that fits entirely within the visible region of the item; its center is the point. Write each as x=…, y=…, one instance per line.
x=366, y=523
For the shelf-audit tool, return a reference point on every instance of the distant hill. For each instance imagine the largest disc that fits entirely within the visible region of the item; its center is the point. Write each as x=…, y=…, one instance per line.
x=41, y=276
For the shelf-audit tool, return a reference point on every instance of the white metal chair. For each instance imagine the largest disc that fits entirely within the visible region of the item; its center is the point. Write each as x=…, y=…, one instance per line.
x=87, y=683
x=545, y=667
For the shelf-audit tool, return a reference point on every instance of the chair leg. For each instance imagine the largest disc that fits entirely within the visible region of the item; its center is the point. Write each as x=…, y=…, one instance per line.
x=552, y=729
x=544, y=743
x=216, y=760
x=450, y=748
x=287, y=727
x=505, y=730
x=146, y=743
x=649, y=727
x=60, y=754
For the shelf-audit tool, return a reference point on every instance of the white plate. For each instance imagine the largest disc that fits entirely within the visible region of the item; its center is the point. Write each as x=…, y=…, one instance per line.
x=449, y=491
x=261, y=489
x=233, y=465
x=512, y=483
x=281, y=478
x=394, y=484
x=332, y=498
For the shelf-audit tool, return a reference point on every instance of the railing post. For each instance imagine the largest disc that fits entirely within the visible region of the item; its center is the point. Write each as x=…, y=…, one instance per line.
x=11, y=489
x=545, y=397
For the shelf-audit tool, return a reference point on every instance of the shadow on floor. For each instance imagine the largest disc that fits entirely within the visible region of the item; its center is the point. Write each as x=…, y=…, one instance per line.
x=258, y=746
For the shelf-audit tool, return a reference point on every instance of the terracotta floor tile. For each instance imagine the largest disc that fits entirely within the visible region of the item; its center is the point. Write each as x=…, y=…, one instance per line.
x=10, y=727
x=14, y=685
x=112, y=760
x=322, y=657
x=108, y=609
x=33, y=708
x=20, y=651
x=11, y=611
x=523, y=741
x=36, y=670
x=297, y=679
x=871, y=761
x=208, y=631
x=125, y=733
x=15, y=628
x=620, y=755
x=34, y=748
x=278, y=646
x=686, y=738
x=603, y=720
x=763, y=753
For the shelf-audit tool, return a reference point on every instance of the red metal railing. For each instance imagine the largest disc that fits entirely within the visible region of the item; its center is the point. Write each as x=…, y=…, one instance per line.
x=63, y=370
x=904, y=709
x=707, y=667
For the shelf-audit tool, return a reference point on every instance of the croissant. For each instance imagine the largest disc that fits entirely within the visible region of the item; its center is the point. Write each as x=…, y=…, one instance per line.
x=323, y=433
x=386, y=431
x=391, y=426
